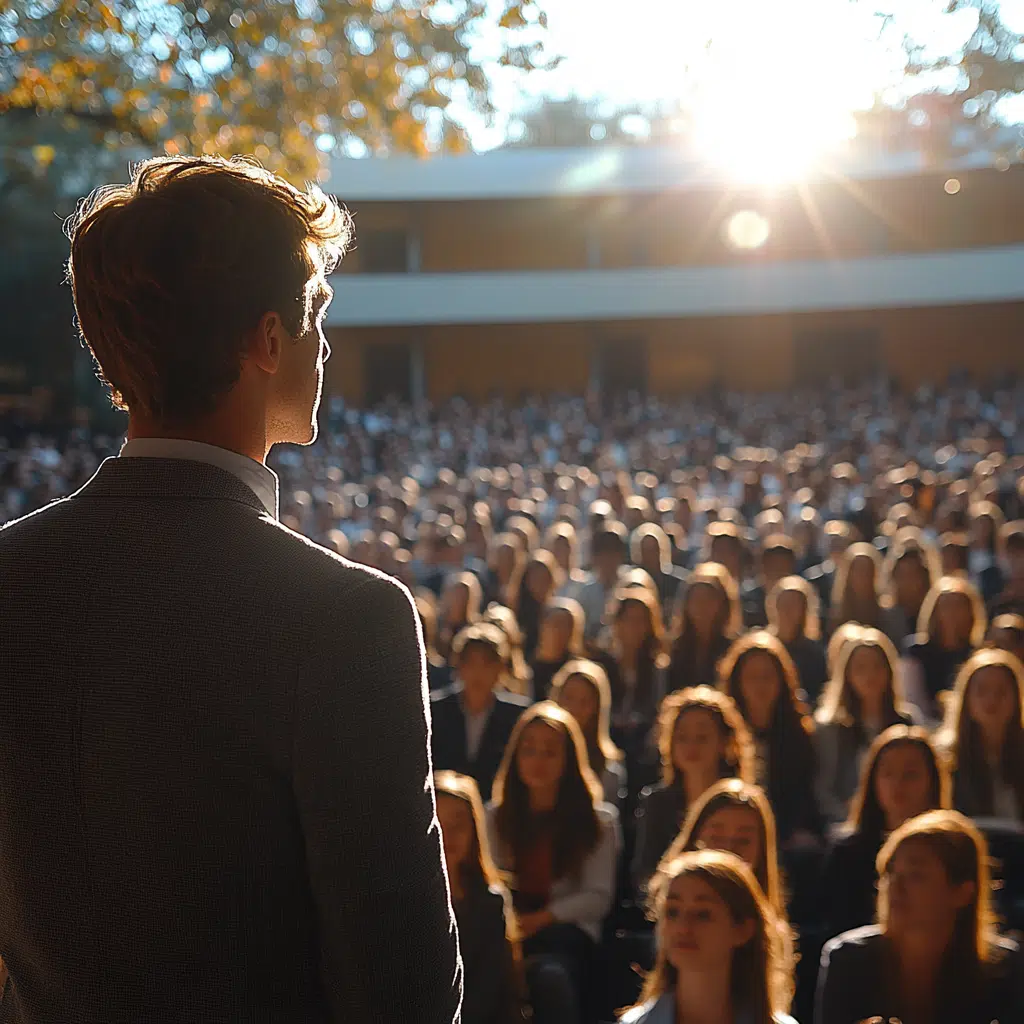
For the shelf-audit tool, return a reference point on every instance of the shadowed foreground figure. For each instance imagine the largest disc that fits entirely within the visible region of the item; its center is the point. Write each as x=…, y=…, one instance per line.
x=215, y=791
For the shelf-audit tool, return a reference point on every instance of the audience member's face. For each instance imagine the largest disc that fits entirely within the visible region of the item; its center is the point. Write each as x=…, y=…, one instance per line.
x=760, y=687
x=912, y=583
x=540, y=758
x=650, y=554
x=991, y=699
x=861, y=579
x=698, y=745
x=632, y=625
x=776, y=566
x=579, y=698
x=1008, y=640
x=697, y=930
x=903, y=783
x=725, y=551
x=868, y=673
x=954, y=617
x=737, y=830
x=607, y=563
x=562, y=550
x=457, y=830
x=703, y=606
x=792, y=610
x=479, y=669
x=538, y=582
x=506, y=561
x=556, y=631
x=456, y=603
x=922, y=899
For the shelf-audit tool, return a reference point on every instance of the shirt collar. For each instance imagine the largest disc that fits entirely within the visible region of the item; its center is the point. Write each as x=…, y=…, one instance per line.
x=261, y=480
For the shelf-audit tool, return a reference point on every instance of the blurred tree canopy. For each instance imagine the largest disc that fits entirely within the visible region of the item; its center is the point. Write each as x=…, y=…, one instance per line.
x=285, y=80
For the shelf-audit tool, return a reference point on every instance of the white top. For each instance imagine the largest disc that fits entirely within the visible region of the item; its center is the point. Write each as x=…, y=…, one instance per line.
x=257, y=477
x=663, y=1011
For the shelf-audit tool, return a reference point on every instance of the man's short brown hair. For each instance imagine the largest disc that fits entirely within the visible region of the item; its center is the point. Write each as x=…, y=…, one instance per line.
x=172, y=271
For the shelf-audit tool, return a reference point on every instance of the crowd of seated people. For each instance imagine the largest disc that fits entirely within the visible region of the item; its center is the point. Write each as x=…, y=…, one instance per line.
x=726, y=693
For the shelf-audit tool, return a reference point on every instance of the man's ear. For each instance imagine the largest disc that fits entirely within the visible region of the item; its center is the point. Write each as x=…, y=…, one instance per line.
x=267, y=341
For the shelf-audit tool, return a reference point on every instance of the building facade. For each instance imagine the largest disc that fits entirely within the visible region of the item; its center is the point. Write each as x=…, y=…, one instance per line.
x=634, y=269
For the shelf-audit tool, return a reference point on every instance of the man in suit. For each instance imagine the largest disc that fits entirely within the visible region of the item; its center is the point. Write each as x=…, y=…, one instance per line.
x=215, y=784
x=472, y=719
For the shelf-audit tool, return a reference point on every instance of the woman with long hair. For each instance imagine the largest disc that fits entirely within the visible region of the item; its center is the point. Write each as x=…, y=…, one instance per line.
x=986, y=520
x=950, y=628
x=1006, y=633
x=563, y=543
x=984, y=737
x=530, y=590
x=702, y=738
x=720, y=957
x=708, y=622
x=560, y=640
x=505, y=560
x=857, y=596
x=633, y=656
x=902, y=776
x=461, y=597
x=910, y=570
x=557, y=839
x=439, y=673
x=517, y=672
x=794, y=616
x=935, y=956
x=760, y=677
x=581, y=687
x=861, y=701
x=493, y=986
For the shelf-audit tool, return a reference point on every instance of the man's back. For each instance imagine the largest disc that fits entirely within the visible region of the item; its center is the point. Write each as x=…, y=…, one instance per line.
x=214, y=799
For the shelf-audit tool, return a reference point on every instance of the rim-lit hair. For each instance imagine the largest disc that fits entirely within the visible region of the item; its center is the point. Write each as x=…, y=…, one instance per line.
x=738, y=760
x=596, y=677
x=499, y=542
x=626, y=596
x=866, y=815
x=842, y=596
x=745, y=795
x=954, y=585
x=961, y=847
x=517, y=590
x=761, y=972
x=636, y=578
x=576, y=825
x=909, y=543
x=993, y=513
x=811, y=627
x=574, y=610
x=760, y=641
x=474, y=592
x=517, y=672
x=483, y=635
x=567, y=532
x=636, y=544
x=479, y=866
x=711, y=574
x=840, y=703
x=838, y=641
x=962, y=738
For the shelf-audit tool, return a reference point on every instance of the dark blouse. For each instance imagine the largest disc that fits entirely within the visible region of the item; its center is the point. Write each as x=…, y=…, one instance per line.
x=659, y=817
x=809, y=658
x=543, y=673
x=938, y=666
x=849, y=882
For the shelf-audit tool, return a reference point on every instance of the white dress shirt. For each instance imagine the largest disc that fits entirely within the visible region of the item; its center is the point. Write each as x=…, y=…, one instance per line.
x=257, y=477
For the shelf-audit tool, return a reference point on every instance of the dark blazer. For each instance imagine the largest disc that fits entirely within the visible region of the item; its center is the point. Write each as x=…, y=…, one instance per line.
x=449, y=735
x=849, y=882
x=660, y=813
x=215, y=790
x=855, y=983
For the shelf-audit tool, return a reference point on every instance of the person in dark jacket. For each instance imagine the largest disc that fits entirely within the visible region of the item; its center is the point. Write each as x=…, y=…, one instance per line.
x=902, y=777
x=935, y=955
x=794, y=616
x=473, y=719
x=560, y=641
x=202, y=709
x=494, y=983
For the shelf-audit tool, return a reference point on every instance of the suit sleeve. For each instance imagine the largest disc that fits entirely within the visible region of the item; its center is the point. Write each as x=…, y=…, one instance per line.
x=362, y=779
x=832, y=998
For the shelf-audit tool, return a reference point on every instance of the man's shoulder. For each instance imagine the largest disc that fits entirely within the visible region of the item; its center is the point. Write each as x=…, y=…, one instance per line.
x=511, y=703
x=33, y=524
x=853, y=945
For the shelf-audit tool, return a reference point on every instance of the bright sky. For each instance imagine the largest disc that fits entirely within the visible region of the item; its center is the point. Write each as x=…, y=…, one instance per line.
x=744, y=66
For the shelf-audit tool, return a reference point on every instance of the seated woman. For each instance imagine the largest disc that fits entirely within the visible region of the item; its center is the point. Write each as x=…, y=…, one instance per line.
x=794, y=616
x=951, y=626
x=439, y=673
x=911, y=569
x=984, y=737
x=709, y=622
x=529, y=592
x=720, y=958
x=517, y=672
x=504, y=562
x=862, y=700
x=651, y=549
x=1006, y=632
x=702, y=738
x=760, y=677
x=581, y=687
x=934, y=956
x=560, y=641
x=494, y=987
x=902, y=777
x=459, y=607
x=857, y=596
x=633, y=657
x=551, y=831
